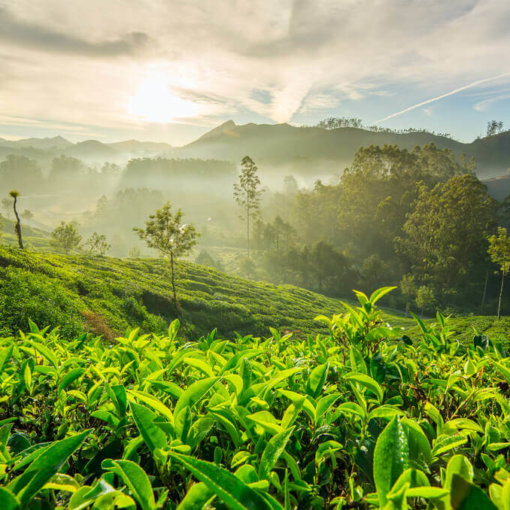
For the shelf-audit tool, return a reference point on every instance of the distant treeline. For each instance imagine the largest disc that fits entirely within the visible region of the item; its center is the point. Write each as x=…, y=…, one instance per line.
x=147, y=172
x=344, y=122
x=68, y=174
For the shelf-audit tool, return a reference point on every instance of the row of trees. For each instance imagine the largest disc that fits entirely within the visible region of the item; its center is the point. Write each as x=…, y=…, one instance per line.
x=494, y=127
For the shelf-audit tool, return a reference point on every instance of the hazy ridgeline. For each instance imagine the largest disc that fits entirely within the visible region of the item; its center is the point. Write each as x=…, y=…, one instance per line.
x=416, y=218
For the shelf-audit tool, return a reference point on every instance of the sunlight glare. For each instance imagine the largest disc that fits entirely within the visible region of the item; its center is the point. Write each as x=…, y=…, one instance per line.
x=155, y=102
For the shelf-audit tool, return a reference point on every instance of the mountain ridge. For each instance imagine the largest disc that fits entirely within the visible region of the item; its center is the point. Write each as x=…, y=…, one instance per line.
x=277, y=144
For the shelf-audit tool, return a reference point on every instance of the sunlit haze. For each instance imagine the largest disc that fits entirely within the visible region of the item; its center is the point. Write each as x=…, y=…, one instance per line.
x=170, y=70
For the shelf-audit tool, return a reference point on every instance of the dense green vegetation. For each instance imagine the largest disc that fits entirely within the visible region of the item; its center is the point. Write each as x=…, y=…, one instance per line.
x=358, y=417
x=105, y=295
x=416, y=218
x=108, y=295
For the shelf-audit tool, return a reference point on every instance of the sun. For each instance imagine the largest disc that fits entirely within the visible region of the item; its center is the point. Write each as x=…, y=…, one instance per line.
x=155, y=102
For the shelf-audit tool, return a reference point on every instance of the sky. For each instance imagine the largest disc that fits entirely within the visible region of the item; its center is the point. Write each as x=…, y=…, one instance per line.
x=169, y=70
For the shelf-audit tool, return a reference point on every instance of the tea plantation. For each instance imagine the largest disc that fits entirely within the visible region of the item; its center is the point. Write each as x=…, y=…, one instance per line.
x=358, y=417
x=336, y=409
x=107, y=295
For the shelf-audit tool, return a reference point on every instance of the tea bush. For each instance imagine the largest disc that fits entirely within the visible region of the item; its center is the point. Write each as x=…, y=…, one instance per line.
x=359, y=417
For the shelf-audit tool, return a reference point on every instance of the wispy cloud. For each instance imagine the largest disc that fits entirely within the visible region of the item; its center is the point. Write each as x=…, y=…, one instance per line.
x=281, y=61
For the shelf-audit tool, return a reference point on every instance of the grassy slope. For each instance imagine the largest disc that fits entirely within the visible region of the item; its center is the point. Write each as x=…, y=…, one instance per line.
x=116, y=294
x=54, y=289
x=32, y=237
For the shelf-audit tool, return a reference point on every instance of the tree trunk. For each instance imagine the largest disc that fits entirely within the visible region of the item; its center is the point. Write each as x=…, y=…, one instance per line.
x=482, y=306
x=17, y=228
x=501, y=294
x=173, y=278
x=248, y=229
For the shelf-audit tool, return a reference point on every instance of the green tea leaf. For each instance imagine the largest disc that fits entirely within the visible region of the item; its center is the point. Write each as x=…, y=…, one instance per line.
x=194, y=393
x=391, y=457
x=466, y=496
x=144, y=418
x=28, y=484
x=272, y=451
x=8, y=500
x=136, y=480
x=232, y=491
x=367, y=382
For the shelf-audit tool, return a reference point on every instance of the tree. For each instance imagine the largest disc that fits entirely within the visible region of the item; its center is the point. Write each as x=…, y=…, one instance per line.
x=1, y=225
x=166, y=233
x=499, y=252
x=66, y=237
x=494, y=127
x=17, y=228
x=425, y=298
x=97, y=244
x=206, y=259
x=20, y=172
x=377, y=191
x=247, y=193
x=445, y=235
x=290, y=185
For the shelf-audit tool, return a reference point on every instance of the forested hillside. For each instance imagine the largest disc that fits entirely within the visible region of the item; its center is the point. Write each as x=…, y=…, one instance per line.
x=307, y=149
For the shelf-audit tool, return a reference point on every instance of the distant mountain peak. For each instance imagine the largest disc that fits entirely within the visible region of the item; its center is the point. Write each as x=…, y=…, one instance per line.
x=226, y=128
x=60, y=139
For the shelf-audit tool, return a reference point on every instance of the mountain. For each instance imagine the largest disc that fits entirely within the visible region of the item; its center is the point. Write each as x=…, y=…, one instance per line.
x=55, y=143
x=91, y=150
x=308, y=150
x=278, y=144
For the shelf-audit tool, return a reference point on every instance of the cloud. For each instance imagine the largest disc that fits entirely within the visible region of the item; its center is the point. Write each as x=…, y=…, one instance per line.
x=487, y=104
x=248, y=59
x=41, y=38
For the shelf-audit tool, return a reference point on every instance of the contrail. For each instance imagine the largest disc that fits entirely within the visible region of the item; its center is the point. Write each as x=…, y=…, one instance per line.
x=451, y=93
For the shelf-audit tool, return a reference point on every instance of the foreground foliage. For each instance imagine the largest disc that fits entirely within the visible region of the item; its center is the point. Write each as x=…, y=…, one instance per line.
x=360, y=417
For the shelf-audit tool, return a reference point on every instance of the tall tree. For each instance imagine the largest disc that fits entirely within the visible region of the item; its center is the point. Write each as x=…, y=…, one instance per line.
x=445, y=234
x=66, y=237
x=167, y=233
x=247, y=193
x=17, y=228
x=499, y=252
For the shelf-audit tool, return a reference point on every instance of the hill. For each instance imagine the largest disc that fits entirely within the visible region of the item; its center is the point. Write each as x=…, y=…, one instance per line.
x=498, y=187
x=302, y=146
x=88, y=150
x=57, y=142
x=309, y=150
x=33, y=236
x=108, y=295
